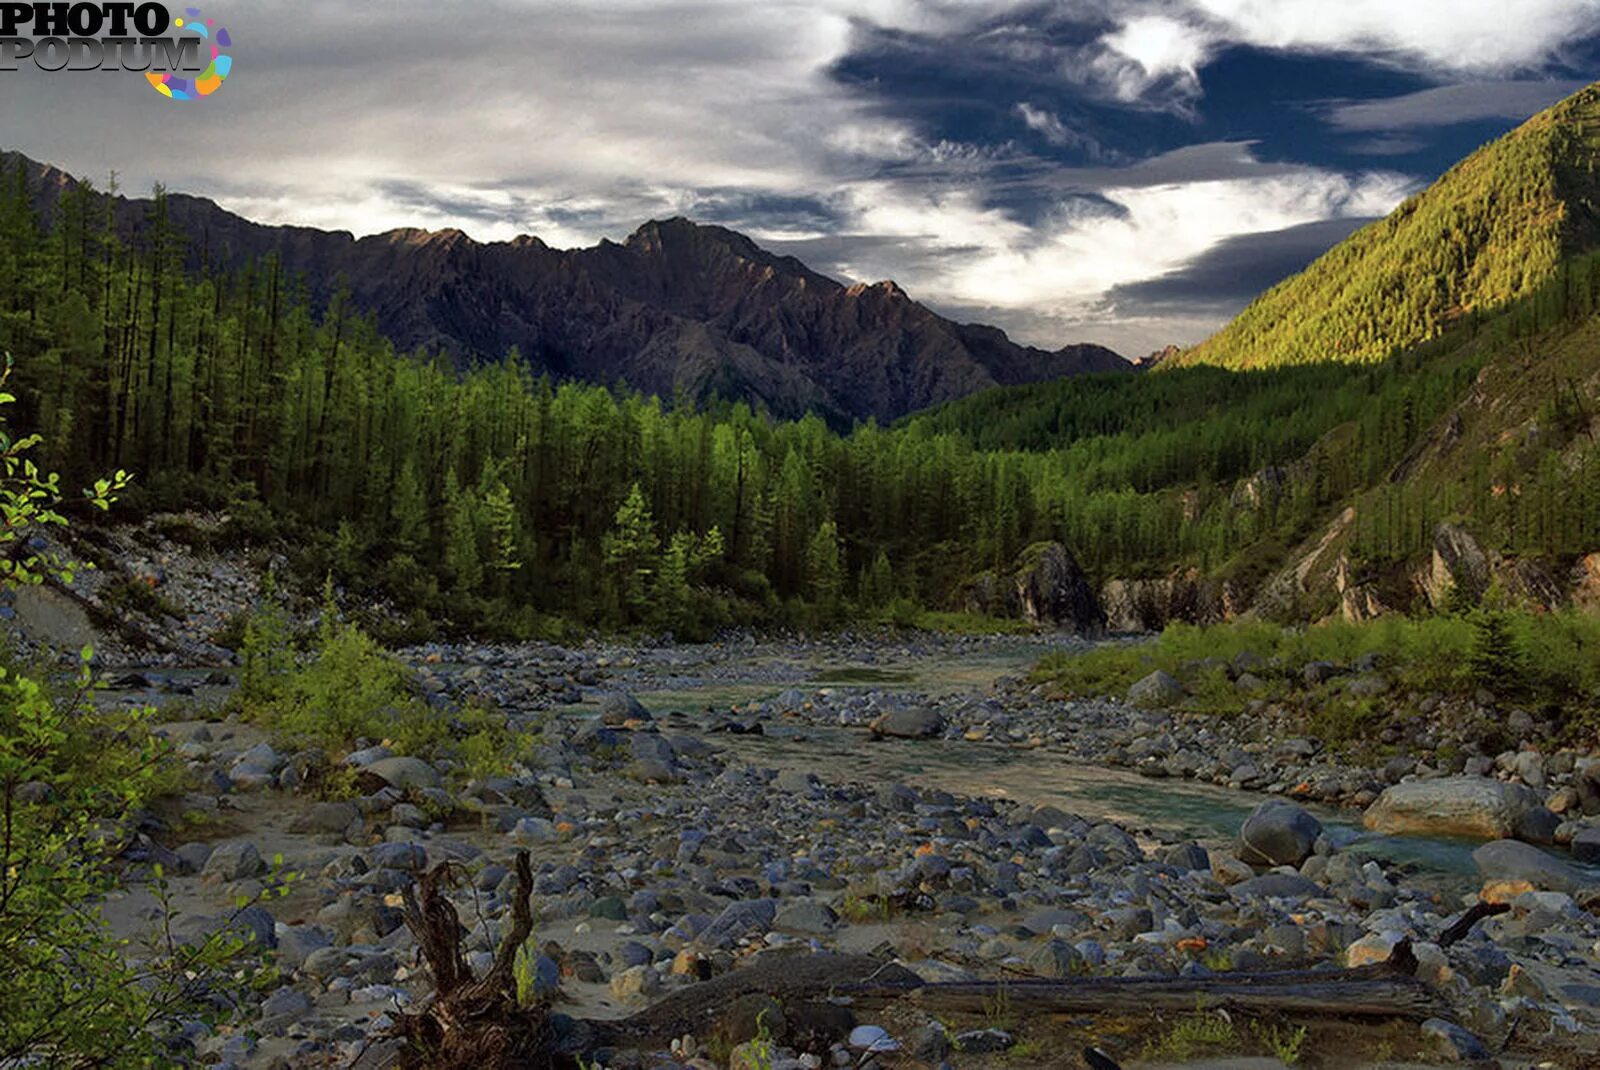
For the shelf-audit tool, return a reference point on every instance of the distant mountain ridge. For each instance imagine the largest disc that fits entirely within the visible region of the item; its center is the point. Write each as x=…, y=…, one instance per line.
x=1489, y=232
x=677, y=308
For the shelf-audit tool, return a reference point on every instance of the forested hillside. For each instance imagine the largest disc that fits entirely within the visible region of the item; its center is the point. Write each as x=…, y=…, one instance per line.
x=463, y=497
x=501, y=500
x=1492, y=230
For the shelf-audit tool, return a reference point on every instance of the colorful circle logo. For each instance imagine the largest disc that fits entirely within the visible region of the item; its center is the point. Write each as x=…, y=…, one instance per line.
x=209, y=80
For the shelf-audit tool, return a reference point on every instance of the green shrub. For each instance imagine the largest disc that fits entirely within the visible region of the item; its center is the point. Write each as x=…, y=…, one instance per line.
x=70, y=775
x=1548, y=658
x=350, y=689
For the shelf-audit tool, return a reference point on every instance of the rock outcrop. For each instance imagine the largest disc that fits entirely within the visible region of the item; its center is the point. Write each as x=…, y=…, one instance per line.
x=1151, y=604
x=1458, y=571
x=1052, y=589
x=1045, y=586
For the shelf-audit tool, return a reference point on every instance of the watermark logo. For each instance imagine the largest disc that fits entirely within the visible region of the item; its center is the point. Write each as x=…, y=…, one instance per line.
x=210, y=35
x=144, y=37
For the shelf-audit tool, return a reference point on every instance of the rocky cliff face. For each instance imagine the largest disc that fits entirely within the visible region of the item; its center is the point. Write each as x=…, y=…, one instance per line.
x=676, y=308
x=1149, y=605
x=1045, y=586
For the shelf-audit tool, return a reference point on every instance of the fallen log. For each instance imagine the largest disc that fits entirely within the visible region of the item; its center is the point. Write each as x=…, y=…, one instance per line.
x=1384, y=990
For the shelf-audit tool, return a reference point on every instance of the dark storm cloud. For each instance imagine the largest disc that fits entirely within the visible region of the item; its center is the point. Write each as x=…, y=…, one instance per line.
x=1448, y=104
x=1223, y=279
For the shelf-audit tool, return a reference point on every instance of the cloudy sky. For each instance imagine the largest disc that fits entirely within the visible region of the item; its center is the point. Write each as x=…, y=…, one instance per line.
x=1121, y=171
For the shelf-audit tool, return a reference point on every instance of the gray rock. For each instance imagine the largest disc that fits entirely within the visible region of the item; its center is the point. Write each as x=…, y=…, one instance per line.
x=407, y=857
x=1278, y=833
x=909, y=723
x=1537, y=825
x=284, y=1007
x=261, y=756
x=363, y=758
x=1156, y=691
x=1277, y=886
x=234, y=861
x=651, y=746
x=405, y=773
x=1452, y=1043
x=806, y=916
x=1057, y=958
x=619, y=707
x=1190, y=856
x=748, y=917
x=929, y=1043
x=327, y=817
x=1586, y=846
x=1518, y=861
x=1319, y=672
x=653, y=771
x=1470, y=806
x=984, y=1041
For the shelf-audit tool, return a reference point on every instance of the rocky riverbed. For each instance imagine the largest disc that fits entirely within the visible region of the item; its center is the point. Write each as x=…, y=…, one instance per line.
x=676, y=830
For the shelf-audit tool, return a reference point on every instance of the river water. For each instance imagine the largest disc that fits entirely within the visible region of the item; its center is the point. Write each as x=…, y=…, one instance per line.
x=1165, y=808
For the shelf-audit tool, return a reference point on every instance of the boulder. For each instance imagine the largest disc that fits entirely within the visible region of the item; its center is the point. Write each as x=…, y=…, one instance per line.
x=909, y=724
x=1277, y=886
x=404, y=773
x=1452, y=1043
x=747, y=917
x=1513, y=860
x=1586, y=846
x=1053, y=589
x=619, y=707
x=1471, y=806
x=234, y=861
x=1156, y=691
x=1278, y=833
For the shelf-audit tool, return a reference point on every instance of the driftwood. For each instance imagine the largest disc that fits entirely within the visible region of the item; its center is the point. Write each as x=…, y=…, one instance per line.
x=1384, y=990
x=479, y=1023
x=1463, y=925
x=471, y=1023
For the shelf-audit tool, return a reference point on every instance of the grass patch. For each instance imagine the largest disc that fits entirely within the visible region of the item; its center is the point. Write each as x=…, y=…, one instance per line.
x=1549, y=659
x=1197, y=1033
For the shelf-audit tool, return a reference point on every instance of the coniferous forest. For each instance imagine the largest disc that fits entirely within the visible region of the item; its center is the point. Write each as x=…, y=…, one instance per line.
x=513, y=504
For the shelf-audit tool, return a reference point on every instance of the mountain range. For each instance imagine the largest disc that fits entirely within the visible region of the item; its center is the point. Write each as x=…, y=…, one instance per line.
x=678, y=308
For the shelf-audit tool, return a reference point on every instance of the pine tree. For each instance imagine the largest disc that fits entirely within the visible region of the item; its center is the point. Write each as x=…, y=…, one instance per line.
x=824, y=570
x=673, y=595
x=1496, y=661
x=632, y=557
x=463, y=558
x=500, y=523
x=408, y=509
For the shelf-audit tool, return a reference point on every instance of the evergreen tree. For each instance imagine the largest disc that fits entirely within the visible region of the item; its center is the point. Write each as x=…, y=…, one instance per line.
x=824, y=570
x=463, y=557
x=632, y=557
